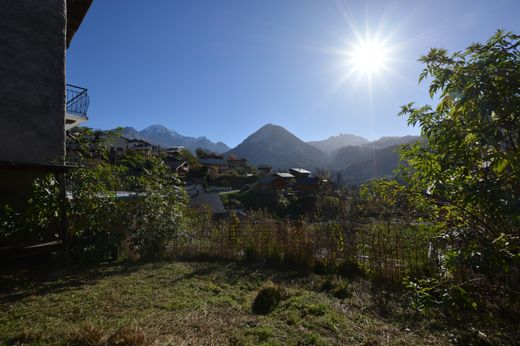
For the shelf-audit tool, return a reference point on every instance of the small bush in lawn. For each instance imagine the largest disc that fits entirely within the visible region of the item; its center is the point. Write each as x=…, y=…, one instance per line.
x=328, y=284
x=88, y=335
x=342, y=291
x=268, y=299
x=337, y=287
x=127, y=336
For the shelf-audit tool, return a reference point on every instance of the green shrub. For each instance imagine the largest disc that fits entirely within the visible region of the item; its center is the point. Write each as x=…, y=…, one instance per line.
x=94, y=212
x=157, y=215
x=268, y=299
x=342, y=291
x=335, y=286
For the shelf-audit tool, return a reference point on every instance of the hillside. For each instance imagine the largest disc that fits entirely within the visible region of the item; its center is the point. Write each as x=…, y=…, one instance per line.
x=276, y=146
x=358, y=164
x=385, y=142
x=334, y=143
x=375, y=164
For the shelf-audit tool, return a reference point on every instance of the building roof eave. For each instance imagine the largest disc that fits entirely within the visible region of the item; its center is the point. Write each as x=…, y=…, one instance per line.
x=76, y=11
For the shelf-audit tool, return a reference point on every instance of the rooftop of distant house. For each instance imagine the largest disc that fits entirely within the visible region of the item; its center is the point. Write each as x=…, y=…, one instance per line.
x=209, y=200
x=285, y=175
x=174, y=164
x=300, y=170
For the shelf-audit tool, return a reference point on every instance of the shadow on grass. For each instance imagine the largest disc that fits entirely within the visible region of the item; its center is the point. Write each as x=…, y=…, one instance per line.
x=47, y=274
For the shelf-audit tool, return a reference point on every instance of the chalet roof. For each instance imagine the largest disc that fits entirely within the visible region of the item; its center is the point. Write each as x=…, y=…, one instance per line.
x=174, y=149
x=76, y=11
x=194, y=190
x=175, y=164
x=300, y=170
x=211, y=200
x=285, y=175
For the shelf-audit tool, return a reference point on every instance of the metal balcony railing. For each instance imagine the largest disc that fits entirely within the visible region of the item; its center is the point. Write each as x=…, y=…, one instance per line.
x=77, y=100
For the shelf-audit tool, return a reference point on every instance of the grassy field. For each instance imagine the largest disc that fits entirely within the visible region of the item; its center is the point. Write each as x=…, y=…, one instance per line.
x=201, y=303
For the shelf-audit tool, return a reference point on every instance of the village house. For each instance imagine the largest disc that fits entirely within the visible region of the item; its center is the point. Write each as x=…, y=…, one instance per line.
x=264, y=170
x=299, y=172
x=307, y=184
x=174, y=152
x=181, y=167
x=234, y=163
x=209, y=201
x=37, y=106
x=215, y=166
x=273, y=182
x=288, y=177
x=142, y=147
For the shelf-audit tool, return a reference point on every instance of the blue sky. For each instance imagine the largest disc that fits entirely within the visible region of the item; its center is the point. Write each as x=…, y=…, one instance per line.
x=222, y=69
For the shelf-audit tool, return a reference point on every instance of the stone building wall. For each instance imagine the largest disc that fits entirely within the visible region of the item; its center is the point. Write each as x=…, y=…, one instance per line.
x=32, y=80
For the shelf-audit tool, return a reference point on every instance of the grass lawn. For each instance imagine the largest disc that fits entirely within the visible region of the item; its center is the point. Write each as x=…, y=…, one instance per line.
x=193, y=303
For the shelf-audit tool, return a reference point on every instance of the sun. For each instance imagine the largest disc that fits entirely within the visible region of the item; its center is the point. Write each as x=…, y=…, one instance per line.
x=368, y=56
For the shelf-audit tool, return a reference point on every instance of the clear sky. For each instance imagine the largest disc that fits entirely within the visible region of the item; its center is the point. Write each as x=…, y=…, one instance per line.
x=222, y=69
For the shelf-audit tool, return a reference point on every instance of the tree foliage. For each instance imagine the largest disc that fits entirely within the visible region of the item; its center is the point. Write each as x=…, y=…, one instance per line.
x=98, y=220
x=469, y=171
x=156, y=216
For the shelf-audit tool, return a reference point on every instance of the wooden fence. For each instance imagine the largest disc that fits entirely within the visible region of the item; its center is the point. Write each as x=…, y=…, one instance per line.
x=390, y=250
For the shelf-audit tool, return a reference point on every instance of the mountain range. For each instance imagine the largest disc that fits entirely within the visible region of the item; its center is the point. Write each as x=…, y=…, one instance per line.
x=334, y=143
x=355, y=158
x=160, y=135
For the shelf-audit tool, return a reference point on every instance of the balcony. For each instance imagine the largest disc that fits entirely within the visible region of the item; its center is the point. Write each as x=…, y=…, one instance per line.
x=77, y=106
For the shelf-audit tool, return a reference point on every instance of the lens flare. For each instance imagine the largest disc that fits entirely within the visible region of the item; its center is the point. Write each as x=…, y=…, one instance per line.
x=368, y=56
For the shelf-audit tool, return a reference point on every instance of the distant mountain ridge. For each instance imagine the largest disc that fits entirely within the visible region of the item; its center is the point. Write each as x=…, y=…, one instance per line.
x=334, y=143
x=160, y=135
